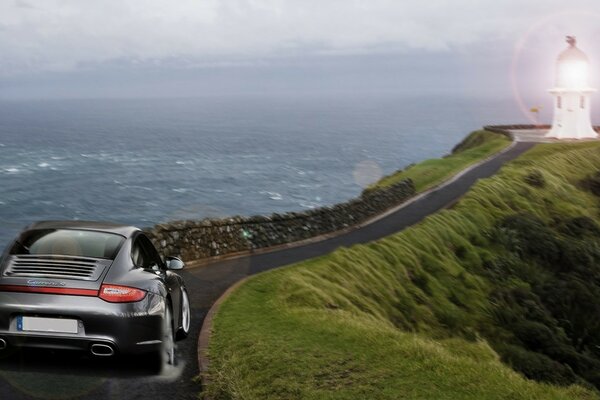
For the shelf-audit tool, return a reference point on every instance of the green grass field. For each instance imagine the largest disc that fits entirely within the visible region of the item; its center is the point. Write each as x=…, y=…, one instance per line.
x=460, y=306
x=476, y=147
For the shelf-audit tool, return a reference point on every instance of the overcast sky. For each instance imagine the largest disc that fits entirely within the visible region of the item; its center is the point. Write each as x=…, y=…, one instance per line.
x=132, y=48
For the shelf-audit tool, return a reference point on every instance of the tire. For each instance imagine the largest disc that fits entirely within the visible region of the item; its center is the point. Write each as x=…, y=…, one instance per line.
x=159, y=359
x=186, y=315
x=168, y=339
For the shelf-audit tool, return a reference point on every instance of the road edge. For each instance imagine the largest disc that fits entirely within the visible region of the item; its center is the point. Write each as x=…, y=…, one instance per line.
x=206, y=332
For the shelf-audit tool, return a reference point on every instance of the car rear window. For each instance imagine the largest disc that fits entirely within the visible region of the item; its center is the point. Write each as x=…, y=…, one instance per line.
x=69, y=242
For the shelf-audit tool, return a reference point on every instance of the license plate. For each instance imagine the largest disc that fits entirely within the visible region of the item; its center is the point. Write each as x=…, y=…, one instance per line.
x=39, y=324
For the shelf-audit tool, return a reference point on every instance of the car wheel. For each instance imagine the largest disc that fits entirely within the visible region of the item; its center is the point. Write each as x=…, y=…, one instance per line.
x=168, y=351
x=185, y=316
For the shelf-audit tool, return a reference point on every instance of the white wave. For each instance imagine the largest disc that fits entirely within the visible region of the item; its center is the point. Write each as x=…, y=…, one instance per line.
x=252, y=156
x=309, y=204
x=180, y=190
x=12, y=170
x=273, y=195
x=134, y=187
x=43, y=165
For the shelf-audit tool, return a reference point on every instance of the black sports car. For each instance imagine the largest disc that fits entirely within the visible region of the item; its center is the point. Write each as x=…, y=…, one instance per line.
x=92, y=286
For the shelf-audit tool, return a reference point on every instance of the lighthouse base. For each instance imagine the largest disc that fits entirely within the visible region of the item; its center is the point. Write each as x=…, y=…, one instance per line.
x=561, y=132
x=536, y=133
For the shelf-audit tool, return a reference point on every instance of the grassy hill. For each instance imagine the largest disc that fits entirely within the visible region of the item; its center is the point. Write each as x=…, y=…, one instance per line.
x=496, y=298
x=475, y=147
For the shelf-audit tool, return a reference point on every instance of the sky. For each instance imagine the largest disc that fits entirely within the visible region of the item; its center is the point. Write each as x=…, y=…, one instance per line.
x=182, y=48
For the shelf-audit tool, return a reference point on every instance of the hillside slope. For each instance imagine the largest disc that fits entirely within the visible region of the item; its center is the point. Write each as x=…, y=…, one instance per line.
x=465, y=305
x=475, y=147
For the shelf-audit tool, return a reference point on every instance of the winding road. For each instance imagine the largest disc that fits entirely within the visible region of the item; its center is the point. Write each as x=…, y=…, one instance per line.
x=52, y=375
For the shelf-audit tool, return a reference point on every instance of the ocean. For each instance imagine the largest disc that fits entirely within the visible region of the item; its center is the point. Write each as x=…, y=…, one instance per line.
x=148, y=161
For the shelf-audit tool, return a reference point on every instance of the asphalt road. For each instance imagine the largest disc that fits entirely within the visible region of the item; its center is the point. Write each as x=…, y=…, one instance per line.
x=58, y=375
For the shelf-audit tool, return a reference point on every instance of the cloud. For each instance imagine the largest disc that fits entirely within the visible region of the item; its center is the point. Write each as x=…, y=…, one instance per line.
x=58, y=35
x=23, y=4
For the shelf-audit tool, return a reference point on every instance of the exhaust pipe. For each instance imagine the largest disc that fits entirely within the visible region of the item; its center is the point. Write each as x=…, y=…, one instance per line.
x=3, y=344
x=102, y=350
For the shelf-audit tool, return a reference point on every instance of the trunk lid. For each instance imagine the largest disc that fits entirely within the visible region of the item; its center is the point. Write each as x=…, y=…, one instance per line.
x=57, y=271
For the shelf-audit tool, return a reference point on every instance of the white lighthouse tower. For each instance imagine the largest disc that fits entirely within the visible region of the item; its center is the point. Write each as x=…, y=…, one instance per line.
x=572, y=94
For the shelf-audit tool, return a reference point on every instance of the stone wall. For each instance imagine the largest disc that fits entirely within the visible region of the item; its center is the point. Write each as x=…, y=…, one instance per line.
x=194, y=240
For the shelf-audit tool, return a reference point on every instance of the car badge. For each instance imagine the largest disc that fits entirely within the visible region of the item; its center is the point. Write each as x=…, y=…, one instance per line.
x=33, y=282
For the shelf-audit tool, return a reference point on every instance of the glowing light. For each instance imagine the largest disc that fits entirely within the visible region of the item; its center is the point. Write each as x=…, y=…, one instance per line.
x=525, y=44
x=573, y=74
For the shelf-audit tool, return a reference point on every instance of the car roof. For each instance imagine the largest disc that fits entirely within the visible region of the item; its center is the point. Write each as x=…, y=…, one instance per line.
x=109, y=227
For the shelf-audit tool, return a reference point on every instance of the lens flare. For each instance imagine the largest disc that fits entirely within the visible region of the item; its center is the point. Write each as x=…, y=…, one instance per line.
x=366, y=173
x=524, y=44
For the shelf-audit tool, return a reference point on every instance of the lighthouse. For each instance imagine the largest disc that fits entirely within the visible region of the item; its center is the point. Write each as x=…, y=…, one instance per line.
x=572, y=95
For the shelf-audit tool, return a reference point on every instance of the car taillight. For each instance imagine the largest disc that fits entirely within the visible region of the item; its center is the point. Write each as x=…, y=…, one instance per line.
x=121, y=294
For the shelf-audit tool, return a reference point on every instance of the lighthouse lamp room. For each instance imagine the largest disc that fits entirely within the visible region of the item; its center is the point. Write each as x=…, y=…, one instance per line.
x=572, y=95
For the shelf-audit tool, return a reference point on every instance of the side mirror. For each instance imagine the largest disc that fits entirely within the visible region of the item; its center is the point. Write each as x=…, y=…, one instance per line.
x=174, y=263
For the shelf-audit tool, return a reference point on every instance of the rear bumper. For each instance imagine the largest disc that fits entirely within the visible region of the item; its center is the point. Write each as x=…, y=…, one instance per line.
x=126, y=327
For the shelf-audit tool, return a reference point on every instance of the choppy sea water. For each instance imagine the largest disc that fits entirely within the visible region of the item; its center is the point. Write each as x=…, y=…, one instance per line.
x=147, y=161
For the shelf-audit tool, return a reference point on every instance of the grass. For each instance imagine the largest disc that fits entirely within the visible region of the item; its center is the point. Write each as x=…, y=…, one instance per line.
x=476, y=147
x=411, y=316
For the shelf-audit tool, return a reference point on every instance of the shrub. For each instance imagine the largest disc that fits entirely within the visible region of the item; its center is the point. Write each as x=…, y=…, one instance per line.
x=501, y=268
x=575, y=302
x=536, y=366
x=576, y=257
x=592, y=183
x=535, y=335
x=535, y=178
x=534, y=238
x=580, y=226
